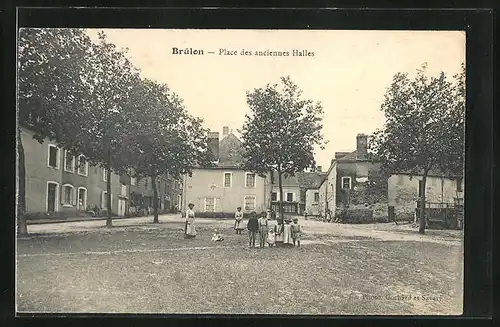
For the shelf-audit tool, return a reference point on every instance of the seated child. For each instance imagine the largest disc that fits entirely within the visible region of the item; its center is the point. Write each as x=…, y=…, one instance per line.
x=217, y=237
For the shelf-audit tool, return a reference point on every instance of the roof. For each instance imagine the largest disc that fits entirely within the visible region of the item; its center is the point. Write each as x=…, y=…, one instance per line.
x=286, y=181
x=310, y=180
x=230, y=152
x=349, y=157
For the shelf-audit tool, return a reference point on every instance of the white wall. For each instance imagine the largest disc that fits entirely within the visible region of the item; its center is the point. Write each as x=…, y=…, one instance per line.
x=287, y=189
x=403, y=191
x=312, y=207
x=209, y=183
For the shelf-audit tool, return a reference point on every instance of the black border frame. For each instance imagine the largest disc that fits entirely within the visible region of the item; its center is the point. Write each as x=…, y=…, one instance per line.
x=478, y=23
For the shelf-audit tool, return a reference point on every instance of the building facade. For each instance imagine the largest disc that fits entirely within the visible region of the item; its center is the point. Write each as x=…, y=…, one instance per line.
x=353, y=181
x=404, y=191
x=292, y=203
x=226, y=186
x=58, y=182
x=310, y=183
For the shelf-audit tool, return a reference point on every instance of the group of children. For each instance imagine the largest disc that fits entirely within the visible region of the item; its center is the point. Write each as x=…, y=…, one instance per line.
x=280, y=234
x=283, y=233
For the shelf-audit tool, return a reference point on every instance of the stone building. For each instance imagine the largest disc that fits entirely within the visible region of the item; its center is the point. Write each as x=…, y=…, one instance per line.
x=58, y=183
x=404, y=190
x=226, y=186
x=353, y=180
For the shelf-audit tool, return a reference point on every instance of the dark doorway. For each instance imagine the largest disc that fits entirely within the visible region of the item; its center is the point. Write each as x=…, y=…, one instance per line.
x=51, y=197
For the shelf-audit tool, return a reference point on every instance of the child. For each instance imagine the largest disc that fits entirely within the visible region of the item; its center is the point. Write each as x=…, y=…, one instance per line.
x=217, y=237
x=278, y=233
x=238, y=224
x=253, y=228
x=296, y=232
x=263, y=229
x=287, y=233
x=271, y=237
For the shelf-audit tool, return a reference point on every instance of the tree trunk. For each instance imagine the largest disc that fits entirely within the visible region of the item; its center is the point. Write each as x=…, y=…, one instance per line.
x=421, y=228
x=281, y=194
x=271, y=182
x=22, y=228
x=155, y=199
x=109, y=220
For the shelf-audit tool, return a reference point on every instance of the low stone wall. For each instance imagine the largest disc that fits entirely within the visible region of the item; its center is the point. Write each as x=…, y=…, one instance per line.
x=358, y=216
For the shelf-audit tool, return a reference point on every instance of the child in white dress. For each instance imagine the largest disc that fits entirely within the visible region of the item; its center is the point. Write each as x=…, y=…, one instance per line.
x=238, y=224
x=270, y=237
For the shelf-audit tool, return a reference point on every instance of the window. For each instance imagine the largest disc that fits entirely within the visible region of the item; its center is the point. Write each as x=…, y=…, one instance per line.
x=146, y=180
x=166, y=184
x=123, y=190
x=68, y=195
x=209, y=204
x=316, y=197
x=420, y=189
x=133, y=181
x=249, y=180
x=274, y=196
x=289, y=197
x=69, y=162
x=250, y=203
x=53, y=156
x=83, y=165
x=82, y=198
x=228, y=179
x=346, y=182
x=459, y=184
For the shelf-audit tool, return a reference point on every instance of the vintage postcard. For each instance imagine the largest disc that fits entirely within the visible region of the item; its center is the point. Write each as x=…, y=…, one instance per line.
x=283, y=172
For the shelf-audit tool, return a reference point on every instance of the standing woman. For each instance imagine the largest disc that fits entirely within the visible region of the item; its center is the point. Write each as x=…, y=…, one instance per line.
x=190, y=230
x=238, y=224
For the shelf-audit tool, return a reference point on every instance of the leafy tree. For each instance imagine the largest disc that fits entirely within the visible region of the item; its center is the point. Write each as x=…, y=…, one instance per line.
x=281, y=131
x=74, y=92
x=163, y=138
x=51, y=64
x=424, y=127
x=102, y=128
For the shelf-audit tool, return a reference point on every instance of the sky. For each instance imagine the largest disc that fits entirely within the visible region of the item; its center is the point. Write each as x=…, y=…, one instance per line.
x=349, y=72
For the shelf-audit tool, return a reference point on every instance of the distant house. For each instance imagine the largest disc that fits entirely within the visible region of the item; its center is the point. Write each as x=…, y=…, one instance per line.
x=310, y=183
x=169, y=194
x=291, y=194
x=404, y=190
x=350, y=181
x=226, y=186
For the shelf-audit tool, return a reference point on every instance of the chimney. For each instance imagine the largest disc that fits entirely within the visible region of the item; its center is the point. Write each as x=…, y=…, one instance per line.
x=318, y=169
x=361, y=146
x=213, y=144
x=225, y=131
